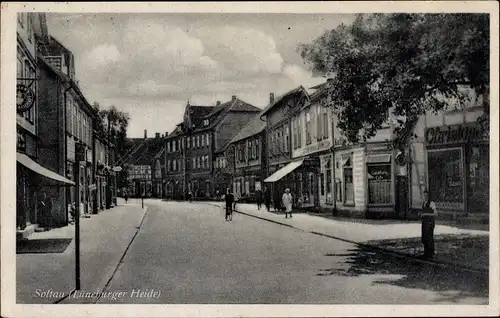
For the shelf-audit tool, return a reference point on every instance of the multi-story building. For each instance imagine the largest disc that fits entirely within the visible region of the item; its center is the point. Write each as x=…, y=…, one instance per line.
x=139, y=163
x=102, y=170
x=249, y=150
x=278, y=116
x=31, y=170
x=66, y=120
x=190, y=151
x=312, y=143
x=450, y=157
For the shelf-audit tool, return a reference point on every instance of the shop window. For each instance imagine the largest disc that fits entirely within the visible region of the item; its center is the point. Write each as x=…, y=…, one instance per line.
x=446, y=181
x=348, y=183
x=319, y=123
x=379, y=183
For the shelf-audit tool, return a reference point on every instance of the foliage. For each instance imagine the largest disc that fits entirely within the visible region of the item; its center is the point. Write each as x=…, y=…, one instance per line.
x=113, y=126
x=411, y=63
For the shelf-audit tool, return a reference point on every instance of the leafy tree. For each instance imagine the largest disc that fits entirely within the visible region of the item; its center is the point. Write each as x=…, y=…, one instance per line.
x=411, y=63
x=113, y=125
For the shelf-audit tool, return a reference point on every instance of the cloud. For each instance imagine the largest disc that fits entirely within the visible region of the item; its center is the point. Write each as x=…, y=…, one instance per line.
x=243, y=49
x=102, y=55
x=300, y=76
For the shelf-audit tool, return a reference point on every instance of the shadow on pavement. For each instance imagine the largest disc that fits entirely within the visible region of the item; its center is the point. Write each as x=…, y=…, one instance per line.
x=452, y=285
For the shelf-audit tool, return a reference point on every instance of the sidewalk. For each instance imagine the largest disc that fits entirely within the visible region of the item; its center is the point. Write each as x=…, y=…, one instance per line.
x=458, y=247
x=45, y=278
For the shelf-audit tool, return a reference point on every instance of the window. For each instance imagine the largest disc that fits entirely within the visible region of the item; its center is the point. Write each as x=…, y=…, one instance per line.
x=446, y=179
x=319, y=123
x=257, y=153
x=379, y=183
x=205, y=122
x=194, y=163
x=203, y=140
x=169, y=165
x=69, y=116
x=299, y=132
x=279, y=140
x=208, y=139
x=308, y=128
x=188, y=142
x=207, y=164
x=287, y=138
x=174, y=163
x=249, y=150
x=348, y=182
x=169, y=146
x=325, y=123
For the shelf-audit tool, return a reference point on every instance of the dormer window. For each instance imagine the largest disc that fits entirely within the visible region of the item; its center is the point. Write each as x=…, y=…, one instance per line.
x=206, y=122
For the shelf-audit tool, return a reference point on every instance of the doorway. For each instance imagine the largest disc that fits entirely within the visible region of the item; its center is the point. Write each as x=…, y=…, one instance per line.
x=401, y=196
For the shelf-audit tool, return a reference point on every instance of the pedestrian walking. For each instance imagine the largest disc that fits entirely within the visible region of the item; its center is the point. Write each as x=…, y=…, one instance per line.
x=190, y=196
x=229, y=205
x=287, y=201
x=267, y=199
x=259, y=197
x=125, y=196
x=428, y=215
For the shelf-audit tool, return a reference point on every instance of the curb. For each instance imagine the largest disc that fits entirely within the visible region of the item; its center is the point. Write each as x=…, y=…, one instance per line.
x=373, y=247
x=106, y=281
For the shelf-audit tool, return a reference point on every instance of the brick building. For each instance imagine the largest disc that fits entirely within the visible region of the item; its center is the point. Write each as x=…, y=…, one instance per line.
x=192, y=148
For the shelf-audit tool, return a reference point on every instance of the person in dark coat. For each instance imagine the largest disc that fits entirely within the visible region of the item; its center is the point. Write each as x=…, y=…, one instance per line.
x=267, y=199
x=259, y=197
x=428, y=215
x=229, y=205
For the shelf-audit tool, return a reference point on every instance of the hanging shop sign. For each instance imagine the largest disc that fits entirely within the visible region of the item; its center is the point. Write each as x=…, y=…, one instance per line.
x=25, y=98
x=453, y=134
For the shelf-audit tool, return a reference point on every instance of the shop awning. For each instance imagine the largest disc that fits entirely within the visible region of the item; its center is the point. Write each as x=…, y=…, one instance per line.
x=284, y=171
x=382, y=158
x=35, y=167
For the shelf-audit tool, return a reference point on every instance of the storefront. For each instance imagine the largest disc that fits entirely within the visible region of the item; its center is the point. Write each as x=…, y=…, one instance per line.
x=458, y=170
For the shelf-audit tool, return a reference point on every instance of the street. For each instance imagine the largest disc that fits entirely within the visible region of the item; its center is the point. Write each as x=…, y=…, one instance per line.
x=187, y=253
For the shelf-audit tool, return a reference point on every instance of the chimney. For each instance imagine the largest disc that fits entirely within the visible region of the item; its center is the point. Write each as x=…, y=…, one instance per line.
x=145, y=133
x=218, y=103
x=157, y=135
x=234, y=97
x=271, y=98
x=166, y=134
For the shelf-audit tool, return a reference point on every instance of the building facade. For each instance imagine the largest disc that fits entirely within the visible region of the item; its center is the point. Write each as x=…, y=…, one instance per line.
x=249, y=166
x=32, y=171
x=191, y=150
x=67, y=121
x=450, y=157
x=278, y=115
x=140, y=163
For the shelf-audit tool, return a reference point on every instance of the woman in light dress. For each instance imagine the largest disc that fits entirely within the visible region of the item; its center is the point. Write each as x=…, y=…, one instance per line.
x=287, y=200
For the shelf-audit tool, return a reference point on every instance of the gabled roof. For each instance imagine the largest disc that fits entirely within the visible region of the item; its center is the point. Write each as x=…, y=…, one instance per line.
x=255, y=126
x=281, y=97
x=147, y=151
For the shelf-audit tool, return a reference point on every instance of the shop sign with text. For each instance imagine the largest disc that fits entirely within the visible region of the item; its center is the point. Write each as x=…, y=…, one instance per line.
x=454, y=134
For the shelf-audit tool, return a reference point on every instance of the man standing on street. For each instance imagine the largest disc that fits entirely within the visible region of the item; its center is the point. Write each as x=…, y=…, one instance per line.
x=259, y=197
x=229, y=205
x=428, y=214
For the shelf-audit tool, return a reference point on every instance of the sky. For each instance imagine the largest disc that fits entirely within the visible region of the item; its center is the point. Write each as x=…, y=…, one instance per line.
x=150, y=64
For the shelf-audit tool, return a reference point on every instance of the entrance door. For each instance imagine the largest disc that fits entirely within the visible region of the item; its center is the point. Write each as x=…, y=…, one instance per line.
x=401, y=196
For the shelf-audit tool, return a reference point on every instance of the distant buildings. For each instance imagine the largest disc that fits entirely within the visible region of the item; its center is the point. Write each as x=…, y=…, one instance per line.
x=199, y=141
